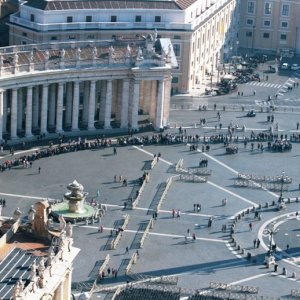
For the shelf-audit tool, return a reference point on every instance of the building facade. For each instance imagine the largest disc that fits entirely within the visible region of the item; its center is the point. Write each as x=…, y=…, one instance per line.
x=76, y=86
x=201, y=31
x=270, y=25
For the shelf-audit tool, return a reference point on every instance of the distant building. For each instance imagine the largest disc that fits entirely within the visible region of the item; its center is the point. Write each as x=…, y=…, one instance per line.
x=271, y=26
x=201, y=31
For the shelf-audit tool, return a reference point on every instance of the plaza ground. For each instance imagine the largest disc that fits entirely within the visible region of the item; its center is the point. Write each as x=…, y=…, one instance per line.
x=211, y=258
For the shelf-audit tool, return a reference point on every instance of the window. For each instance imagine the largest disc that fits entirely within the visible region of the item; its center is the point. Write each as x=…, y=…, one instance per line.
x=249, y=22
x=266, y=35
x=138, y=19
x=157, y=19
x=53, y=38
x=90, y=36
x=113, y=19
x=69, y=19
x=88, y=18
x=267, y=23
x=285, y=10
x=250, y=7
x=24, y=43
x=72, y=37
x=284, y=24
x=32, y=18
x=177, y=37
x=283, y=37
x=24, y=33
x=248, y=33
x=268, y=8
x=176, y=49
x=175, y=80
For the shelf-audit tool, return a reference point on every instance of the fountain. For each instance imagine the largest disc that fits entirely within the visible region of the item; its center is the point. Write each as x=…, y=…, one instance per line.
x=73, y=207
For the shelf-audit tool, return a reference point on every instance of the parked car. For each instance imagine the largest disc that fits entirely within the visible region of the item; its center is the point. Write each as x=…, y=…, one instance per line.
x=285, y=66
x=251, y=113
x=295, y=67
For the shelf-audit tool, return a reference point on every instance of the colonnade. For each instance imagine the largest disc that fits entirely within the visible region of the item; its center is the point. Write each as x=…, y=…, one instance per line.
x=79, y=105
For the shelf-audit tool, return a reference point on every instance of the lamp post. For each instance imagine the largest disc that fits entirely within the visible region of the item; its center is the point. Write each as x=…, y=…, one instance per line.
x=270, y=259
x=237, y=47
x=253, y=37
x=211, y=75
x=281, y=187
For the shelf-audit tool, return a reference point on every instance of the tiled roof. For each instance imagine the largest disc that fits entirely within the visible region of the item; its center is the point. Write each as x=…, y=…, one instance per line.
x=108, y=4
x=183, y=4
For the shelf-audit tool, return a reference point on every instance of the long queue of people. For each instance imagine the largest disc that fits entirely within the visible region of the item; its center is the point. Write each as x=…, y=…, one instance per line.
x=169, y=138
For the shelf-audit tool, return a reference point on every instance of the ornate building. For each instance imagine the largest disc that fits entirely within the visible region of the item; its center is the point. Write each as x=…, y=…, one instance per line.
x=77, y=86
x=202, y=31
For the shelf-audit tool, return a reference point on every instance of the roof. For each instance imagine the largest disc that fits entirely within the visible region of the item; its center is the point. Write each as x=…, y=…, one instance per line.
x=108, y=4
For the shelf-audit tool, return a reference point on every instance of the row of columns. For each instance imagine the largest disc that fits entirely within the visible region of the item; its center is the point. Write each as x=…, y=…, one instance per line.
x=45, y=105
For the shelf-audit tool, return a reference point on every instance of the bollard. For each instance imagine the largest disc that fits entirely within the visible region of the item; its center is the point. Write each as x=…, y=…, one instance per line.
x=297, y=199
x=86, y=222
x=289, y=200
x=249, y=255
x=259, y=206
x=243, y=251
x=248, y=211
x=238, y=248
x=243, y=214
x=284, y=272
x=294, y=275
x=267, y=204
x=253, y=209
x=273, y=203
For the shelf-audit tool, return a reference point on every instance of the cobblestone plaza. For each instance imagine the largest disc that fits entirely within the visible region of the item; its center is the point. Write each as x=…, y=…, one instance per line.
x=168, y=248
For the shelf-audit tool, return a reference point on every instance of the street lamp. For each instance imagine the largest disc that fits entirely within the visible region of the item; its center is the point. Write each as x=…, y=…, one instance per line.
x=237, y=47
x=281, y=187
x=211, y=75
x=270, y=259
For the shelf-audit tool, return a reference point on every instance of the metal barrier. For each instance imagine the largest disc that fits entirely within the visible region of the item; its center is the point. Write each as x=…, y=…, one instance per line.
x=271, y=179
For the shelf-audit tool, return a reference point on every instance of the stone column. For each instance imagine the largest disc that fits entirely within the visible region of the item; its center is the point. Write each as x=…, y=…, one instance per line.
x=44, y=109
x=135, y=105
x=86, y=99
x=167, y=95
x=35, y=107
x=52, y=96
x=153, y=94
x=59, y=107
x=102, y=101
x=125, y=102
x=5, y=95
x=91, y=104
x=108, y=102
x=69, y=96
x=159, y=105
x=147, y=96
x=75, y=111
x=13, y=114
x=67, y=286
x=59, y=292
x=28, y=127
x=20, y=110
x=1, y=115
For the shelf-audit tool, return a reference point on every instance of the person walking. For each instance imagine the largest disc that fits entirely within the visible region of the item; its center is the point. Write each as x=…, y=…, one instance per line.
x=257, y=243
x=254, y=243
x=39, y=170
x=250, y=226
